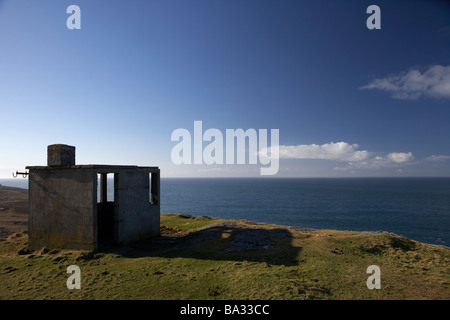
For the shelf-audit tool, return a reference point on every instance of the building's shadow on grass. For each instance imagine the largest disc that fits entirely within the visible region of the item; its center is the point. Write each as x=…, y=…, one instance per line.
x=221, y=242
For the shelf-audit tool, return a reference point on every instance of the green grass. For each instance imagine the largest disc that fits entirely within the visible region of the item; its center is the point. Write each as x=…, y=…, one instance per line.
x=314, y=264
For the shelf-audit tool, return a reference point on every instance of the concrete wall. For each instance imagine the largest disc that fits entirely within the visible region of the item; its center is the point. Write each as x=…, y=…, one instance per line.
x=135, y=217
x=63, y=209
x=65, y=213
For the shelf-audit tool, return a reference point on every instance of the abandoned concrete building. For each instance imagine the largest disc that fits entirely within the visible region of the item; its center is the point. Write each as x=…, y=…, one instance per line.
x=69, y=206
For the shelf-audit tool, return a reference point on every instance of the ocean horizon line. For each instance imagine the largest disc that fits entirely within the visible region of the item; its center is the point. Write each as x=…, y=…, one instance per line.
x=272, y=177
x=414, y=207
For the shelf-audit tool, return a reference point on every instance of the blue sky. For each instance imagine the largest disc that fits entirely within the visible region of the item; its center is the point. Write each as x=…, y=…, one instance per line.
x=348, y=101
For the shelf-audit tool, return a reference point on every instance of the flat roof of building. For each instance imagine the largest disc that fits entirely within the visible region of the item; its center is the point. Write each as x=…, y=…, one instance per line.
x=100, y=168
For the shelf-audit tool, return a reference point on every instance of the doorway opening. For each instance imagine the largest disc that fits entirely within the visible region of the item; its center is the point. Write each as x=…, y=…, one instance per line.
x=105, y=208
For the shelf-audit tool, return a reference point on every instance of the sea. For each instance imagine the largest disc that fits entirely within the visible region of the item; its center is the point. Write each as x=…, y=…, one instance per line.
x=416, y=208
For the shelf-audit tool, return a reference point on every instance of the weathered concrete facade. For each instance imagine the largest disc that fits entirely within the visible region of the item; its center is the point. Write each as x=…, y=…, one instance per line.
x=65, y=211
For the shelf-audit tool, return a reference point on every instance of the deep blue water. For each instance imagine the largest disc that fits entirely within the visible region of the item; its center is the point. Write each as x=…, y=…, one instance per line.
x=417, y=208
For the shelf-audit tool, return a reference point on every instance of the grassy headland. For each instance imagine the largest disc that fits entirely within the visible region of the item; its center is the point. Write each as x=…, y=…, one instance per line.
x=204, y=258
x=13, y=210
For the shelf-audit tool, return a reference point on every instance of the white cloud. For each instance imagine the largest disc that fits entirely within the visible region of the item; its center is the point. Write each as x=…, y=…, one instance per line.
x=433, y=82
x=393, y=159
x=400, y=157
x=214, y=169
x=340, y=169
x=345, y=152
x=438, y=158
x=341, y=151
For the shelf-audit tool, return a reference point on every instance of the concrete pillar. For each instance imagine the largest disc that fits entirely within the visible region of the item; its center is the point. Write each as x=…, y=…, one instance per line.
x=155, y=188
x=103, y=188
